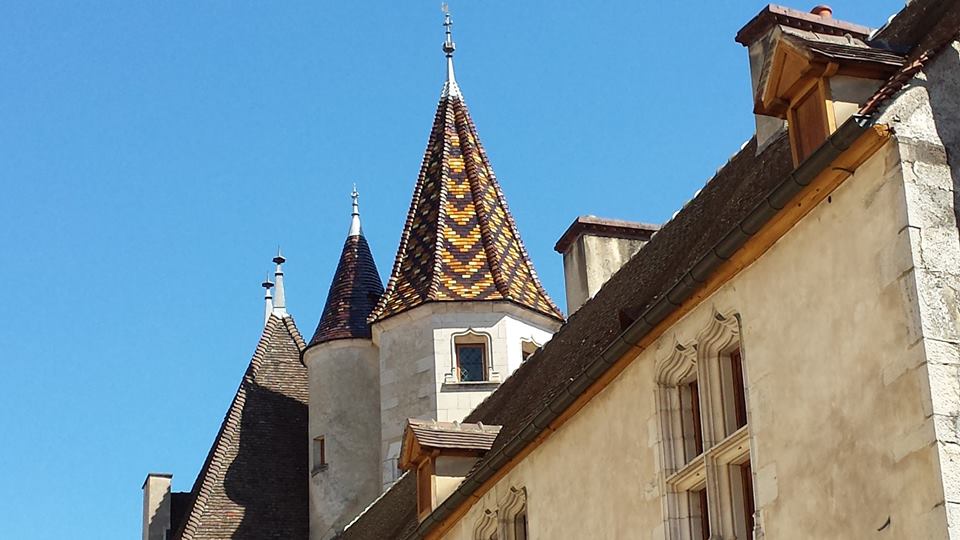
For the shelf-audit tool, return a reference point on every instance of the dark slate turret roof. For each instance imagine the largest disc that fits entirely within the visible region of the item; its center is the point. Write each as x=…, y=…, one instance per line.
x=460, y=242
x=254, y=482
x=355, y=290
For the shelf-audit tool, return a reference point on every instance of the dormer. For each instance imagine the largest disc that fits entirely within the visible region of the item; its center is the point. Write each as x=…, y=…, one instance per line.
x=441, y=454
x=812, y=71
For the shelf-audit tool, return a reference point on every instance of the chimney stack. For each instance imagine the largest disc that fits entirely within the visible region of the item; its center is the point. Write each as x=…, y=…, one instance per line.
x=594, y=249
x=156, y=506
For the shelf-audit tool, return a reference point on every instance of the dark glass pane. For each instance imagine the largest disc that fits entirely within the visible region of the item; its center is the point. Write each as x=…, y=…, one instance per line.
x=470, y=359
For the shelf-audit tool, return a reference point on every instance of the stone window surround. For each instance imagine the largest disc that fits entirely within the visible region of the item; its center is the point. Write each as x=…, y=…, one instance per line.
x=498, y=523
x=471, y=336
x=722, y=452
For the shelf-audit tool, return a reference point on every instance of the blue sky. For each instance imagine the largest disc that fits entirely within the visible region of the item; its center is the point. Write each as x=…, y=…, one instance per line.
x=154, y=154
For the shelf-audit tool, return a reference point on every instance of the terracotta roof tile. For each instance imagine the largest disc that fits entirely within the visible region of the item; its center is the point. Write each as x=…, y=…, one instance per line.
x=253, y=484
x=460, y=242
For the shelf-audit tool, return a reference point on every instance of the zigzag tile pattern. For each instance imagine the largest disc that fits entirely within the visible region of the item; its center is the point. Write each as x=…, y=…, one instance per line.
x=460, y=242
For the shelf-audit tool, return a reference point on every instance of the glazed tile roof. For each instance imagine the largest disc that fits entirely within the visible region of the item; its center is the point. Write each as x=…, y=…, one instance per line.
x=354, y=292
x=254, y=482
x=460, y=242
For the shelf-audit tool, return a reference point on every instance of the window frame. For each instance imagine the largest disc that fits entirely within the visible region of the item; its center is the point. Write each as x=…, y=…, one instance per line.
x=484, y=361
x=709, y=362
x=319, y=454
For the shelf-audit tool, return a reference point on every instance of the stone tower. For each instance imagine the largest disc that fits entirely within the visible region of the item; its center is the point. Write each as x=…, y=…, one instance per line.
x=343, y=366
x=463, y=306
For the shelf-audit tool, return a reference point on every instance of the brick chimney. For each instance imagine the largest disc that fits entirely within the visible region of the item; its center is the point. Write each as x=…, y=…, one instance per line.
x=156, y=506
x=594, y=249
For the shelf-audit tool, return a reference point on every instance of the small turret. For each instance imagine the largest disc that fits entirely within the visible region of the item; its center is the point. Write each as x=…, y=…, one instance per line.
x=344, y=368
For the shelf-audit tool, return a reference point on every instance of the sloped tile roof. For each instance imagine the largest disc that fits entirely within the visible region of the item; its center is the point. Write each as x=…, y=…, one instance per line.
x=460, y=242
x=254, y=482
x=353, y=294
x=454, y=435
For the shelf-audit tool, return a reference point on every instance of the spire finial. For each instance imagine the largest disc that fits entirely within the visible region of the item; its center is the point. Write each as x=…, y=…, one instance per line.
x=450, y=87
x=268, y=299
x=279, y=302
x=355, y=228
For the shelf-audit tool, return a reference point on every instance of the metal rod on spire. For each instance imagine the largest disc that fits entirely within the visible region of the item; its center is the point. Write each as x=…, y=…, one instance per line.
x=450, y=87
x=355, y=228
x=279, y=301
x=268, y=299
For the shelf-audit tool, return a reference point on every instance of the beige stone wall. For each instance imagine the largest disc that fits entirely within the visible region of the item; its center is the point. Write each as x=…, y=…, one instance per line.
x=417, y=363
x=345, y=411
x=842, y=443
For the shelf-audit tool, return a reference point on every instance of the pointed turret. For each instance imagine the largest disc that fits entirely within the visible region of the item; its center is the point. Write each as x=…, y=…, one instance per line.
x=467, y=291
x=355, y=289
x=460, y=242
x=344, y=369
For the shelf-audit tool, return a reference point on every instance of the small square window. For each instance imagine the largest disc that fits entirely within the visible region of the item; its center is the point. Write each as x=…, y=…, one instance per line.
x=319, y=454
x=472, y=362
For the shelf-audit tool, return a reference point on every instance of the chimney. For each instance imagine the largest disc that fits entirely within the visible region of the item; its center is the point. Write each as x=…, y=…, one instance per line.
x=594, y=249
x=760, y=37
x=156, y=506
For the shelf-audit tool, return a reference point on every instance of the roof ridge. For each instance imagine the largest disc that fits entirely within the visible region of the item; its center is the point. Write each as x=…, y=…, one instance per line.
x=213, y=466
x=228, y=429
x=408, y=223
x=502, y=199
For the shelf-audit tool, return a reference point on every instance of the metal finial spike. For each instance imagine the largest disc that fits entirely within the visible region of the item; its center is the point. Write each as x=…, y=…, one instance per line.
x=450, y=88
x=355, y=227
x=448, y=45
x=279, y=259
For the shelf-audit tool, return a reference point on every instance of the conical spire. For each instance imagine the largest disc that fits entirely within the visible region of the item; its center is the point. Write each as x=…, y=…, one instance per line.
x=279, y=299
x=268, y=299
x=355, y=289
x=460, y=242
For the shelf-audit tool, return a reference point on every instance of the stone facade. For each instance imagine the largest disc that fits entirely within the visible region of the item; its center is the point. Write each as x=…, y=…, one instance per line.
x=417, y=363
x=850, y=361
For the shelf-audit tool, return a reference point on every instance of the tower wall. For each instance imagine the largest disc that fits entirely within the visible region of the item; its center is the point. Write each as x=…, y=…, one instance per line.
x=418, y=364
x=345, y=411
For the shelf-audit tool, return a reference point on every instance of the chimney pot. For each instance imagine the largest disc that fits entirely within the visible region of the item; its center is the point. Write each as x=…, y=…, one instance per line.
x=823, y=11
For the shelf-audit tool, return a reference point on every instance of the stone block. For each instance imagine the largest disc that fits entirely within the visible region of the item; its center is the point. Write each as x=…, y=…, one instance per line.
x=945, y=388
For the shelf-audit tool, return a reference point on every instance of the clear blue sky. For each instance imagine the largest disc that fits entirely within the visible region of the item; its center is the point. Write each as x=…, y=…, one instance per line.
x=153, y=155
